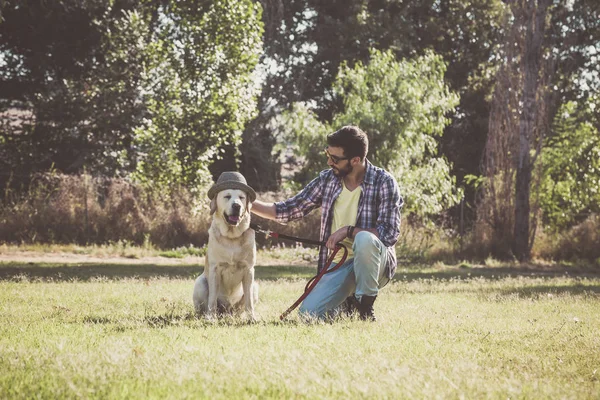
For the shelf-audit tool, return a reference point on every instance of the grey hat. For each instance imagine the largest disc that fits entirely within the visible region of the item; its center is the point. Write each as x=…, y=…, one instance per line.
x=231, y=180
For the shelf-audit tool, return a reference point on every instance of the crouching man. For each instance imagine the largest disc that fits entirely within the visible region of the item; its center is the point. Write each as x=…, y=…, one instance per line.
x=360, y=207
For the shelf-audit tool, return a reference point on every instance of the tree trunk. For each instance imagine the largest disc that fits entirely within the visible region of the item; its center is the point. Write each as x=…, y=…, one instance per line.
x=534, y=18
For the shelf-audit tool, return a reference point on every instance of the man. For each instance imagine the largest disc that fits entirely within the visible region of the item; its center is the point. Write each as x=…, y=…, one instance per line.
x=360, y=207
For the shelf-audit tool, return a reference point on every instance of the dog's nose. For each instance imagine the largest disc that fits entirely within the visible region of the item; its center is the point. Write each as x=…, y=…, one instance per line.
x=236, y=207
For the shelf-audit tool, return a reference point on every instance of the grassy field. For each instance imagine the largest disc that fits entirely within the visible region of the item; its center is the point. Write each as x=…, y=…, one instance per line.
x=113, y=331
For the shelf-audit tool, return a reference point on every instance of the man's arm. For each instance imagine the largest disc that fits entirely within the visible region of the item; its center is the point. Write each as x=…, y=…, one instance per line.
x=263, y=209
x=293, y=208
x=388, y=219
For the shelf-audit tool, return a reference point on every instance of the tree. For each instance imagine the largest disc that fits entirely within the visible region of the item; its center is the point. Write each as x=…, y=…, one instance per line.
x=533, y=15
x=570, y=189
x=201, y=88
x=402, y=106
x=307, y=41
x=151, y=87
x=544, y=52
x=76, y=105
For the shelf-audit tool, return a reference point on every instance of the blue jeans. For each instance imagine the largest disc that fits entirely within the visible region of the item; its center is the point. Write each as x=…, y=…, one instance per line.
x=362, y=275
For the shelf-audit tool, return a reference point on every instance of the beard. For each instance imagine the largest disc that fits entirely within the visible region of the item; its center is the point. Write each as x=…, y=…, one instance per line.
x=342, y=172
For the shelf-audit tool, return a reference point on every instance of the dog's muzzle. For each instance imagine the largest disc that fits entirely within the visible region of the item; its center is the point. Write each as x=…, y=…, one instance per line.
x=234, y=217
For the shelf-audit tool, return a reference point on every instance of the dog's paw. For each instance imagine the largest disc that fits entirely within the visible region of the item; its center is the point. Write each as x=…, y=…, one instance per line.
x=251, y=318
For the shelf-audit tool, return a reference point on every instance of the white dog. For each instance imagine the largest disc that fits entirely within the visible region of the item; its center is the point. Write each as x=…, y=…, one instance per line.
x=227, y=283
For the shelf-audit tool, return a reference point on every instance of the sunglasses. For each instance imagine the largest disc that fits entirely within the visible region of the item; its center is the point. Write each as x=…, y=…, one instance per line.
x=335, y=159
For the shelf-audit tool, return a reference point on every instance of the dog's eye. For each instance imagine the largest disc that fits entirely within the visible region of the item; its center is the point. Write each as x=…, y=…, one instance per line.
x=228, y=197
x=242, y=198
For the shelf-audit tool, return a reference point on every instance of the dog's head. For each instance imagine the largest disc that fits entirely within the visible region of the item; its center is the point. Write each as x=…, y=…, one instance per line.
x=233, y=205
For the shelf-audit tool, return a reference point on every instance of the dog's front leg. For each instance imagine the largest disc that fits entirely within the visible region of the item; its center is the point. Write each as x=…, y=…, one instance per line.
x=248, y=286
x=213, y=290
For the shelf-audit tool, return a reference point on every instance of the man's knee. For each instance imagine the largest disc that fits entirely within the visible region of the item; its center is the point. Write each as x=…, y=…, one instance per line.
x=365, y=240
x=367, y=257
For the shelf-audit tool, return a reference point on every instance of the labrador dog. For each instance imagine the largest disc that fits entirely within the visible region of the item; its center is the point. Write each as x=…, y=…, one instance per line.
x=227, y=283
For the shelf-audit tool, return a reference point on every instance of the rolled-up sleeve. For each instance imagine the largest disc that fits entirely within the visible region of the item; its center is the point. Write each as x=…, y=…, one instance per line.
x=390, y=205
x=301, y=204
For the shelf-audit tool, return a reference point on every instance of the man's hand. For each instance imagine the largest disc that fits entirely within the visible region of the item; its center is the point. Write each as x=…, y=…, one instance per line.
x=336, y=237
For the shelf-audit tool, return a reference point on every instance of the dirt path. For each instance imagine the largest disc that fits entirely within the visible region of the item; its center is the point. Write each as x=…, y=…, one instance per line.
x=71, y=258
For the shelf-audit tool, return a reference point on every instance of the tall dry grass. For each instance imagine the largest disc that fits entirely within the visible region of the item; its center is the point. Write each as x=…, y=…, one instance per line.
x=67, y=209
x=581, y=242
x=90, y=210
x=578, y=243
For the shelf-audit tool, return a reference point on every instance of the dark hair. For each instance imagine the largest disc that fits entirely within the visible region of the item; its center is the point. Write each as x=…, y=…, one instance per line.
x=352, y=139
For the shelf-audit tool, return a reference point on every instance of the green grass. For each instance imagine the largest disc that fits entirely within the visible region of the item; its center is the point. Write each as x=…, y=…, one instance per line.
x=115, y=331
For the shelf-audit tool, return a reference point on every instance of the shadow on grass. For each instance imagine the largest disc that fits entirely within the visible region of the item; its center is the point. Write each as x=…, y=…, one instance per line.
x=495, y=273
x=545, y=286
x=189, y=318
x=548, y=291
x=16, y=271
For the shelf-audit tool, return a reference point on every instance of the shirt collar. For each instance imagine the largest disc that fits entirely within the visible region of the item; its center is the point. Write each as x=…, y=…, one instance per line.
x=369, y=173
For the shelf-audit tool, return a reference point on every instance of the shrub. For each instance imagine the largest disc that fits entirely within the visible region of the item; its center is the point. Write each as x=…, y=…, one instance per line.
x=577, y=243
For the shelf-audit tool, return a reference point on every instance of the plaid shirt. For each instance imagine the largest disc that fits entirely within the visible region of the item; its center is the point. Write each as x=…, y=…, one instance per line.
x=378, y=207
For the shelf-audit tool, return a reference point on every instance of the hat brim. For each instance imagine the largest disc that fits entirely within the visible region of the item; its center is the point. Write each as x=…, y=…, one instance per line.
x=217, y=187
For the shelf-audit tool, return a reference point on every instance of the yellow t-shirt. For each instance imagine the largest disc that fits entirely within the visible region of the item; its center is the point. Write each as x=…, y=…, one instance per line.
x=345, y=210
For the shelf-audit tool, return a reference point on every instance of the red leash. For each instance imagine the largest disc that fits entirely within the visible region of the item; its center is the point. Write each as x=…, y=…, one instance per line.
x=310, y=285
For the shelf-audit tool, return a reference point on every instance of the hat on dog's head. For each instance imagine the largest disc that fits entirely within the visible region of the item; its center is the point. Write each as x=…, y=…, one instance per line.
x=231, y=180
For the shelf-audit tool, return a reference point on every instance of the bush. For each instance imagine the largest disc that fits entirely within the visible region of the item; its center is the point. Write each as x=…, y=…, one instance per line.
x=401, y=105
x=577, y=243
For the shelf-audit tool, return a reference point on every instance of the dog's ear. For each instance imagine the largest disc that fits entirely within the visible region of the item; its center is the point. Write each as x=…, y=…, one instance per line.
x=213, y=205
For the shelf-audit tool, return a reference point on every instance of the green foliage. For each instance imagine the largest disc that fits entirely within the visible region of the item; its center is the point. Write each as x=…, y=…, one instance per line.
x=316, y=37
x=474, y=181
x=402, y=107
x=200, y=88
x=171, y=254
x=301, y=127
x=73, y=85
x=116, y=87
x=570, y=189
